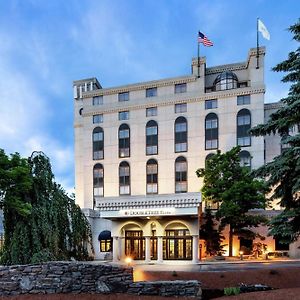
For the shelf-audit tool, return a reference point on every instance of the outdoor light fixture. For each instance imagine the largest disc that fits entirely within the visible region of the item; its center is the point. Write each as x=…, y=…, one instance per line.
x=241, y=254
x=128, y=260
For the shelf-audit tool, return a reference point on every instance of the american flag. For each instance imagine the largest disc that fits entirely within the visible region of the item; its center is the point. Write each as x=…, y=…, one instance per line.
x=202, y=38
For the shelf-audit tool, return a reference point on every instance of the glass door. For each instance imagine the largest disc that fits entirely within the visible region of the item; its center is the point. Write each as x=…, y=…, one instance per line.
x=135, y=244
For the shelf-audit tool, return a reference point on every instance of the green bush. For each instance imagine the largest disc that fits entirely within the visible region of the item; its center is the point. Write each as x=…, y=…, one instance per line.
x=231, y=291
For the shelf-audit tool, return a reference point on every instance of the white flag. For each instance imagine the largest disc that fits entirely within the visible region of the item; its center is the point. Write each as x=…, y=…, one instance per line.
x=263, y=29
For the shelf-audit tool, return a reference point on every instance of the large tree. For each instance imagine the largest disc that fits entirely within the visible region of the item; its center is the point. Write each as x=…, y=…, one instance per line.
x=283, y=172
x=236, y=192
x=41, y=222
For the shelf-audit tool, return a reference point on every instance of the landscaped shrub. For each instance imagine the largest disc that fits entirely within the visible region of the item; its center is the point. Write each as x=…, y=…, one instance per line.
x=231, y=291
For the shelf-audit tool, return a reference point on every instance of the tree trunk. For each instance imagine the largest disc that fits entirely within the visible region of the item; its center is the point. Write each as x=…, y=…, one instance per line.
x=230, y=240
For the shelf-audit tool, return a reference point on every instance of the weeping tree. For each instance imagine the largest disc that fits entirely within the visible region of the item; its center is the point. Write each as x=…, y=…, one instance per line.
x=41, y=222
x=283, y=172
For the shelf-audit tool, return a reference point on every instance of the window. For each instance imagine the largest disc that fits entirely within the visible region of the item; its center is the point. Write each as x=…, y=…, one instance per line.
x=124, y=141
x=105, y=241
x=98, y=176
x=151, y=92
x=211, y=131
x=245, y=159
x=80, y=111
x=210, y=104
x=180, y=175
x=124, y=115
x=243, y=127
x=180, y=88
x=180, y=108
x=180, y=134
x=151, y=111
x=244, y=99
x=151, y=138
x=123, y=96
x=98, y=143
x=97, y=119
x=226, y=81
x=98, y=100
x=152, y=176
x=124, y=178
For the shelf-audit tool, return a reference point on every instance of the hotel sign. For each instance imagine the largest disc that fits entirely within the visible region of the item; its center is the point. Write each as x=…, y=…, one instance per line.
x=149, y=212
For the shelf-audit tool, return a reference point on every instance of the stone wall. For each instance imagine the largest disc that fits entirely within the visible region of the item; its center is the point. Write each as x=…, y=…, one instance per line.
x=72, y=277
x=187, y=288
x=64, y=277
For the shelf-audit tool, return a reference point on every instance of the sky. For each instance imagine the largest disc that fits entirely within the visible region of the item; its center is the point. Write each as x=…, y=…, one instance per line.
x=45, y=45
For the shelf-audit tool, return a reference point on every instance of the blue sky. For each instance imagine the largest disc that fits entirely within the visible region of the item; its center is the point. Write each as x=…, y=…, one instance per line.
x=45, y=45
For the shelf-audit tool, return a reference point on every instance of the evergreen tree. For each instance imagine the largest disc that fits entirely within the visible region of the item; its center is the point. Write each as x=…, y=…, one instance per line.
x=235, y=190
x=213, y=237
x=41, y=222
x=283, y=173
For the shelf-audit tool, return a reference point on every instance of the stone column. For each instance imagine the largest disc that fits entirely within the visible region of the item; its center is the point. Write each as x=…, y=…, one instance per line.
x=195, y=249
x=115, y=249
x=147, y=249
x=159, y=249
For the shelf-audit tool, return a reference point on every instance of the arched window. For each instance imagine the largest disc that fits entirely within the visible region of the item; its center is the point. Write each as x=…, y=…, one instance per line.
x=226, y=81
x=180, y=134
x=124, y=178
x=98, y=180
x=98, y=143
x=211, y=131
x=151, y=138
x=180, y=175
x=245, y=159
x=152, y=176
x=124, y=140
x=243, y=127
x=105, y=241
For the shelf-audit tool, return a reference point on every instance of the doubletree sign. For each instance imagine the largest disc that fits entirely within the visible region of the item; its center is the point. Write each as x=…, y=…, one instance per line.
x=147, y=212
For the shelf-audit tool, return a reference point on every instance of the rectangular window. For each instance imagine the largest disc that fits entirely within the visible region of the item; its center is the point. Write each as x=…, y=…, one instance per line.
x=211, y=144
x=98, y=119
x=180, y=88
x=244, y=141
x=123, y=96
x=98, y=100
x=124, y=115
x=243, y=100
x=151, y=111
x=181, y=108
x=210, y=104
x=244, y=120
x=151, y=92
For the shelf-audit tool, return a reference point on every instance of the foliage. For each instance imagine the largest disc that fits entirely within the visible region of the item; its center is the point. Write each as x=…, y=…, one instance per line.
x=259, y=248
x=283, y=173
x=227, y=183
x=41, y=222
x=231, y=291
x=213, y=237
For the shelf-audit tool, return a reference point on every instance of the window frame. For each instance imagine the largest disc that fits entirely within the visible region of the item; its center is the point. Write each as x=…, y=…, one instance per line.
x=209, y=104
x=97, y=100
x=153, y=162
x=122, y=140
x=211, y=131
x=240, y=100
x=180, y=134
x=99, y=117
x=126, y=113
x=129, y=178
x=123, y=96
x=180, y=108
x=240, y=129
x=154, y=137
x=153, y=108
x=100, y=167
x=151, y=92
x=180, y=88
x=101, y=146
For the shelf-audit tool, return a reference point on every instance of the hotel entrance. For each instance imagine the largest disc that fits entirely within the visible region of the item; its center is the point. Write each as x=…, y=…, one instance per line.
x=177, y=245
x=135, y=244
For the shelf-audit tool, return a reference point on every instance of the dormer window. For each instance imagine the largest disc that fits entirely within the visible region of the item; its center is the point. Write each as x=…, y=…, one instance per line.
x=226, y=81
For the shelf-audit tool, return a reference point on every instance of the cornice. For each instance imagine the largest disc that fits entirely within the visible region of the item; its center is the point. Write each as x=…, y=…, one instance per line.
x=139, y=86
x=167, y=102
x=273, y=105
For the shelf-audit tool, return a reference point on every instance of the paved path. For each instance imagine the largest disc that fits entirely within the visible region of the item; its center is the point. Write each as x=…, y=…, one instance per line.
x=217, y=266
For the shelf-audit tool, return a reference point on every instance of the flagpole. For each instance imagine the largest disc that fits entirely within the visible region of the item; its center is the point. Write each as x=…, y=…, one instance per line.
x=257, y=45
x=198, y=57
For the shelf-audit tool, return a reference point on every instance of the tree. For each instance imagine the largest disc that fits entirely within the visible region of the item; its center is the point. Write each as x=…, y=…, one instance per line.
x=235, y=190
x=213, y=237
x=283, y=172
x=41, y=222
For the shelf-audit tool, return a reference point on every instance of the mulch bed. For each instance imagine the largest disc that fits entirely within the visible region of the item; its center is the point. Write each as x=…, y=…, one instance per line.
x=277, y=278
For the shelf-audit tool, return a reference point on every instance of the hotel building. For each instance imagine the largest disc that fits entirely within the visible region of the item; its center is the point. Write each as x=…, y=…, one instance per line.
x=137, y=148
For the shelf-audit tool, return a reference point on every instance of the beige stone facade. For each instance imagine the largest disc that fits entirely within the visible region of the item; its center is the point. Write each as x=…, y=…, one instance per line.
x=231, y=94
